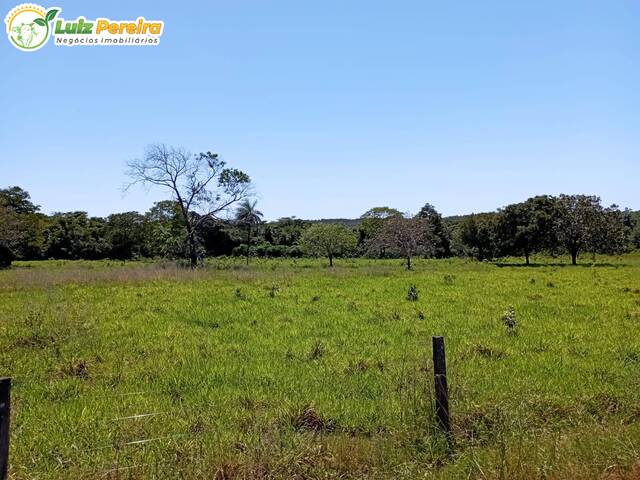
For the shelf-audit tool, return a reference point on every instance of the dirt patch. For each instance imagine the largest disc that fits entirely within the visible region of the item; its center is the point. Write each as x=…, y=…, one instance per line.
x=309, y=420
x=75, y=368
x=34, y=340
x=620, y=473
x=602, y=405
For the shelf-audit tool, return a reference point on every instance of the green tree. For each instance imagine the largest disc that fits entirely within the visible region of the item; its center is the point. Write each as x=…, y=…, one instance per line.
x=201, y=185
x=74, y=235
x=17, y=200
x=248, y=216
x=164, y=236
x=9, y=236
x=371, y=222
x=441, y=236
x=286, y=231
x=527, y=227
x=634, y=229
x=6, y=256
x=477, y=236
x=328, y=239
x=612, y=234
x=583, y=224
x=125, y=233
x=22, y=225
x=218, y=238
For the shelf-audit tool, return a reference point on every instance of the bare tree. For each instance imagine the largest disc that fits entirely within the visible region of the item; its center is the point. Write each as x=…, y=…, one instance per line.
x=404, y=236
x=201, y=184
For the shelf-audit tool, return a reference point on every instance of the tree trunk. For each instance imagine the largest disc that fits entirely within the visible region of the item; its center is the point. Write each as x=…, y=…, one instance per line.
x=408, y=262
x=526, y=257
x=248, y=242
x=191, y=233
x=574, y=257
x=193, y=253
x=331, y=260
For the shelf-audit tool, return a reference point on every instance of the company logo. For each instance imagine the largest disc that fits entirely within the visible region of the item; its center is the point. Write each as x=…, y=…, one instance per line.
x=29, y=27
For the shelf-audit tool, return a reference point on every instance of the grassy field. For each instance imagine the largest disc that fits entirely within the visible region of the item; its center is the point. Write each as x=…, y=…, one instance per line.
x=288, y=369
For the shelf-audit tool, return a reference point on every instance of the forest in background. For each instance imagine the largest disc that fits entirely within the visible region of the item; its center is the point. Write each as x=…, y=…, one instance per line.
x=539, y=224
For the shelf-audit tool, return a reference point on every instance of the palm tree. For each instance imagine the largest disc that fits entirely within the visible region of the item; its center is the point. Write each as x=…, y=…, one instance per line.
x=247, y=215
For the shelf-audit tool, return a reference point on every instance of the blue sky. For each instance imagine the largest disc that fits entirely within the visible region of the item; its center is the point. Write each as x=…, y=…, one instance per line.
x=334, y=107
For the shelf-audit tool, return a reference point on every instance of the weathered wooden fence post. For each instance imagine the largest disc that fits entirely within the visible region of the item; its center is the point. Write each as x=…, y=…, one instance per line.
x=5, y=417
x=442, y=393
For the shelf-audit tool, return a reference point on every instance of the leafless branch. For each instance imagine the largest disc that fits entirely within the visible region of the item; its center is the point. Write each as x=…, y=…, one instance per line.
x=201, y=184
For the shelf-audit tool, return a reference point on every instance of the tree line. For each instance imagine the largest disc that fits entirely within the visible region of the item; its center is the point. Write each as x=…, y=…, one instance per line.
x=211, y=212
x=568, y=224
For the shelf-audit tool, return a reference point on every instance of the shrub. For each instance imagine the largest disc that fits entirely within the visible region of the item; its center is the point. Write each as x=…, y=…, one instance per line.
x=509, y=318
x=6, y=256
x=412, y=293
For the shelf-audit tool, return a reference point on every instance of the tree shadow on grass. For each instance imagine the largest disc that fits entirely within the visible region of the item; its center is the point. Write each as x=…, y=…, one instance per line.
x=557, y=264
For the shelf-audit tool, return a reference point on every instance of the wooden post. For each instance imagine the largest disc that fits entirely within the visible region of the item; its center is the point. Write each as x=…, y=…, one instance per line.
x=442, y=393
x=5, y=417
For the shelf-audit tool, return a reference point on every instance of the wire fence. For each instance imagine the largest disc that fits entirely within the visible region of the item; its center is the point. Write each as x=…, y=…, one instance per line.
x=118, y=463
x=133, y=447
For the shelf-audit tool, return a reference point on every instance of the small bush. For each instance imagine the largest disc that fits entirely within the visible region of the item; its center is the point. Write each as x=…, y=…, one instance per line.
x=273, y=290
x=6, y=256
x=509, y=319
x=412, y=293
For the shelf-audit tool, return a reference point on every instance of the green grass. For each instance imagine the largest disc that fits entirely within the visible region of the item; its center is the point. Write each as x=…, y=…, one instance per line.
x=287, y=369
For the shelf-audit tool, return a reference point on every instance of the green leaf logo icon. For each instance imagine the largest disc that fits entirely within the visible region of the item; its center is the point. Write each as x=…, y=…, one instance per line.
x=51, y=14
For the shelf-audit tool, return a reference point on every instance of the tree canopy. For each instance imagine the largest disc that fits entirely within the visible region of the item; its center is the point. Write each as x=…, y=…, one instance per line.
x=406, y=237
x=527, y=227
x=248, y=216
x=329, y=240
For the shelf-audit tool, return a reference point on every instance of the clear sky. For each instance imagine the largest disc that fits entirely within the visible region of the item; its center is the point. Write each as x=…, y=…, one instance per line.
x=334, y=107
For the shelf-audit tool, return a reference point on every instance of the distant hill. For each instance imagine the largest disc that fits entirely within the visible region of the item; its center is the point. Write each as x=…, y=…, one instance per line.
x=349, y=222
x=354, y=222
